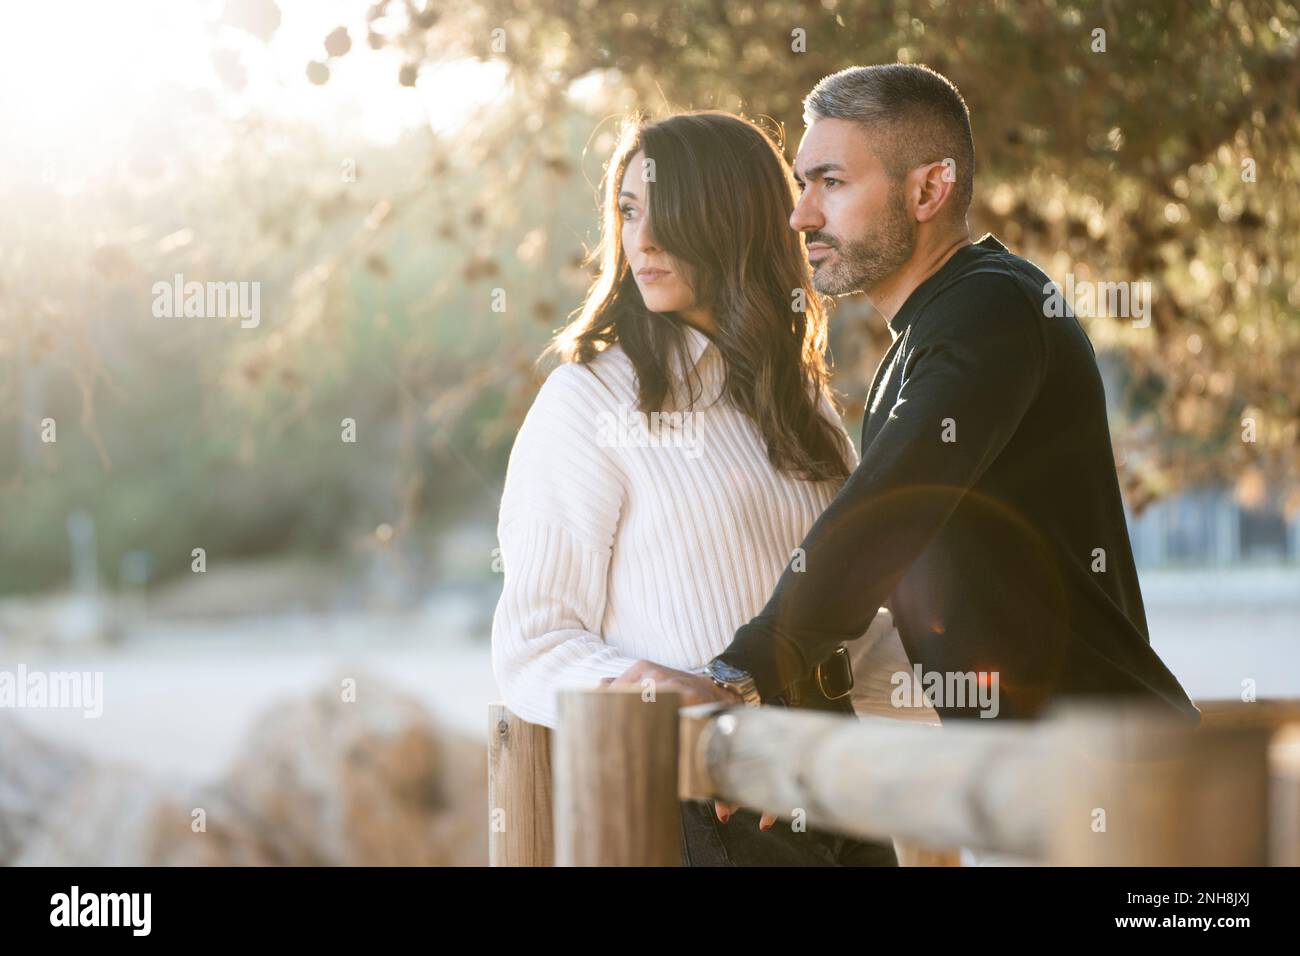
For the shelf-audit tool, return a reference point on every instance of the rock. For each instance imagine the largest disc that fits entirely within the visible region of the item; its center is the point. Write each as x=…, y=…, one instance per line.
x=33, y=775
x=119, y=817
x=320, y=782
x=375, y=782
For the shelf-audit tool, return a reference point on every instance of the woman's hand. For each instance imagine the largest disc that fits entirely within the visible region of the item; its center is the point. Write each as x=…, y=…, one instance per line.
x=693, y=689
x=725, y=810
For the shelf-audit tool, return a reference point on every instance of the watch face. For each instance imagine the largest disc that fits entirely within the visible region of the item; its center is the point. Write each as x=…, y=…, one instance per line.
x=727, y=672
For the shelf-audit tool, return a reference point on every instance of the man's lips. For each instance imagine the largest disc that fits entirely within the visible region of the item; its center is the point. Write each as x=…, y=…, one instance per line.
x=818, y=251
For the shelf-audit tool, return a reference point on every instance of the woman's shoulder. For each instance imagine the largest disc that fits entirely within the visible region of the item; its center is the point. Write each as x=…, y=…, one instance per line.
x=559, y=465
x=574, y=399
x=605, y=381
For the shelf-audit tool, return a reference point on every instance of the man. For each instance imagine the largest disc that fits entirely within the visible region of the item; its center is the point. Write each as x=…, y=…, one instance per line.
x=986, y=511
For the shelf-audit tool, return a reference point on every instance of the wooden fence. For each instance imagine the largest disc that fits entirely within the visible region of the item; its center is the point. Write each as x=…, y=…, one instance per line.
x=1087, y=785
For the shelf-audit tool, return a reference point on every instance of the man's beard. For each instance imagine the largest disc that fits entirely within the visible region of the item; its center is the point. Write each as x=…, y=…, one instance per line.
x=862, y=264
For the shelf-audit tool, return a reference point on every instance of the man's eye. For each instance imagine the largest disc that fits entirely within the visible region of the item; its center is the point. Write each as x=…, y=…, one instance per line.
x=830, y=181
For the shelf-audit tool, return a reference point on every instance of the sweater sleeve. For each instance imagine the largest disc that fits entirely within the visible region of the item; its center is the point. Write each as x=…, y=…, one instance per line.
x=559, y=514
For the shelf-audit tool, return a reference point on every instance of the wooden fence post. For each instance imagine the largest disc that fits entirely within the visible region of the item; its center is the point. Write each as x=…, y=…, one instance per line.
x=616, y=779
x=1284, y=797
x=912, y=853
x=1135, y=787
x=519, y=791
x=1125, y=786
x=1281, y=716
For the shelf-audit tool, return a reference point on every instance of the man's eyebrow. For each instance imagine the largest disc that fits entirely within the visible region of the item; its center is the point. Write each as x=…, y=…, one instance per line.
x=818, y=171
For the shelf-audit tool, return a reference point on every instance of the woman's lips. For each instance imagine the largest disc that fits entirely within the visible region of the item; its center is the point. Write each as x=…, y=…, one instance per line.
x=651, y=275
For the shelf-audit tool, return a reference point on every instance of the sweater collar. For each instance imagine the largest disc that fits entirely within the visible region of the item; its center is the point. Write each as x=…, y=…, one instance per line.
x=697, y=343
x=695, y=366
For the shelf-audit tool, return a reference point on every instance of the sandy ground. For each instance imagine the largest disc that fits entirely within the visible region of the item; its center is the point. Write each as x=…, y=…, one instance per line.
x=182, y=702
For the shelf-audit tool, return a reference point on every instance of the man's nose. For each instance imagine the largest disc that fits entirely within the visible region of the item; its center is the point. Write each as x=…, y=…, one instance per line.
x=805, y=216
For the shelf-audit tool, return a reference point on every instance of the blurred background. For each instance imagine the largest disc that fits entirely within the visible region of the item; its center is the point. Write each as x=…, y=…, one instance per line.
x=411, y=185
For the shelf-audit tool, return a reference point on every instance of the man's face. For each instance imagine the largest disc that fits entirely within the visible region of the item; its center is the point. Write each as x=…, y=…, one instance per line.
x=854, y=217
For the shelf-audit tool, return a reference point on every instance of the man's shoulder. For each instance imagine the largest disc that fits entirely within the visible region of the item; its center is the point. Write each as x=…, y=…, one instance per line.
x=986, y=296
x=996, y=277
x=991, y=306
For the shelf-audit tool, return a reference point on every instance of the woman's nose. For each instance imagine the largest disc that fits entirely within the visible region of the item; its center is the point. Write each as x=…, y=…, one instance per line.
x=645, y=240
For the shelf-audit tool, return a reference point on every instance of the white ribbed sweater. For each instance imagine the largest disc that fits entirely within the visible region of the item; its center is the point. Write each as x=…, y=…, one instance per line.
x=621, y=544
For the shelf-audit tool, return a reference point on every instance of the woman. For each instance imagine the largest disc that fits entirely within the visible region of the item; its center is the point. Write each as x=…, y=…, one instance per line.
x=671, y=464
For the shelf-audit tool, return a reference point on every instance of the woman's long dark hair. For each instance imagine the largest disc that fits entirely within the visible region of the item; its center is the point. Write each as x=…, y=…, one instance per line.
x=720, y=204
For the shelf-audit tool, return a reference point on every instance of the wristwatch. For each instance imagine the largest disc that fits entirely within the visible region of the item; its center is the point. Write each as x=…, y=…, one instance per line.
x=732, y=678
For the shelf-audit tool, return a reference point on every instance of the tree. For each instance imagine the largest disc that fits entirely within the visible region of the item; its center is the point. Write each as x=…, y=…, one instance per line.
x=1116, y=143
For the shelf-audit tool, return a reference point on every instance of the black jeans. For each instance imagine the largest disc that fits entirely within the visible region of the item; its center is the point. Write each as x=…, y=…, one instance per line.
x=707, y=841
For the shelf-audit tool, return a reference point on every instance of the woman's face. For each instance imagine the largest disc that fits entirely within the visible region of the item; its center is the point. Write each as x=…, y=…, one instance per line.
x=657, y=274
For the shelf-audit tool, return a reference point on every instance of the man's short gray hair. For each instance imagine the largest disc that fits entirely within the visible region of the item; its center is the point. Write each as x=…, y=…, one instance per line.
x=916, y=116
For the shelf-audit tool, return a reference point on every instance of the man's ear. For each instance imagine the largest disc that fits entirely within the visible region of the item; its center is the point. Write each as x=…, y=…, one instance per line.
x=934, y=188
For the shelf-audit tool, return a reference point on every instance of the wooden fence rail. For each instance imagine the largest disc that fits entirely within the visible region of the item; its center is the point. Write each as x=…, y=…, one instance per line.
x=1087, y=785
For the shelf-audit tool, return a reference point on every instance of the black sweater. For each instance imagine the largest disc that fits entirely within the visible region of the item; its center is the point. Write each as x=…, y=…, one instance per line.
x=985, y=513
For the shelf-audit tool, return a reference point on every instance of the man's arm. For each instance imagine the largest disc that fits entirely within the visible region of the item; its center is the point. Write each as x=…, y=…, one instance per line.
x=981, y=368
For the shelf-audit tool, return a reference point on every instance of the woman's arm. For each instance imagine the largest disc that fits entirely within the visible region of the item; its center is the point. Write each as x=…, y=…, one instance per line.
x=559, y=515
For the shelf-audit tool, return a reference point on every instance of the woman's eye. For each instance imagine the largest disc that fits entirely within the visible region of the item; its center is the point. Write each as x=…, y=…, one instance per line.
x=626, y=212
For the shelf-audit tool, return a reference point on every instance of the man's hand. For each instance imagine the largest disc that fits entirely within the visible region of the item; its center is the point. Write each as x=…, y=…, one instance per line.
x=693, y=689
